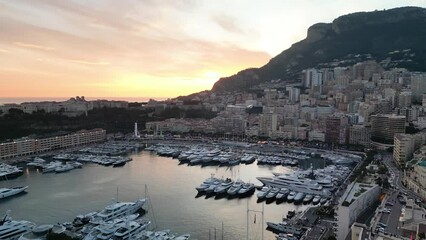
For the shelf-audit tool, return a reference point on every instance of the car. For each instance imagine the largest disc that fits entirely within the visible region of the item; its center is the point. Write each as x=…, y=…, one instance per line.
x=386, y=211
x=389, y=204
x=382, y=230
x=382, y=225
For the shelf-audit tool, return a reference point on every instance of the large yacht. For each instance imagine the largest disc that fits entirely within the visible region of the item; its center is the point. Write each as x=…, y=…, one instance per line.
x=130, y=230
x=203, y=186
x=8, y=171
x=233, y=190
x=116, y=210
x=296, y=183
x=7, y=192
x=284, y=228
x=12, y=230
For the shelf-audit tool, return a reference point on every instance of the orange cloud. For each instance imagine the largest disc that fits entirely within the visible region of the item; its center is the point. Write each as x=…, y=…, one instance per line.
x=33, y=46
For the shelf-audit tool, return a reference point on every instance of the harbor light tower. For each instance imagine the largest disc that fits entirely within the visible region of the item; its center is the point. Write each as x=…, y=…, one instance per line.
x=137, y=134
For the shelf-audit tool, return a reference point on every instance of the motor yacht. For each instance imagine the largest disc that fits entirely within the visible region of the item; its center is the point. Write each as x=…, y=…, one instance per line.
x=246, y=188
x=299, y=197
x=212, y=186
x=263, y=192
x=271, y=194
x=12, y=230
x=130, y=230
x=291, y=195
x=64, y=168
x=284, y=227
x=223, y=187
x=282, y=194
x=316, y=200
x=117, y=210
x=8, y=192
x=206, y=184
x=308, y=198
x=233, y=190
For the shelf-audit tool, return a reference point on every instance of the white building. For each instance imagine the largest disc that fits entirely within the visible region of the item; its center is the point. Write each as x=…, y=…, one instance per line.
x=357, y=198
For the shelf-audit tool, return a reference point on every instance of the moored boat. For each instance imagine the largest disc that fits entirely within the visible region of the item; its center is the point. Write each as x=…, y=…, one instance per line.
x=8, y=192
x=263, y=192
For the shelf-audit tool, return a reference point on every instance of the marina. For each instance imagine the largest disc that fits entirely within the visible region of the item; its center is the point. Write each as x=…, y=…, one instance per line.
x=174, y=188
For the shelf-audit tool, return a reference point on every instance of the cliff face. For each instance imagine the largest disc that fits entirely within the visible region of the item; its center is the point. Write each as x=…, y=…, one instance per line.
x=375, y=33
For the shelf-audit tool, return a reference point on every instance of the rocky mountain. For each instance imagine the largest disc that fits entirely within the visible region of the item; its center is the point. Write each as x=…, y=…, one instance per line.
x=395, y=38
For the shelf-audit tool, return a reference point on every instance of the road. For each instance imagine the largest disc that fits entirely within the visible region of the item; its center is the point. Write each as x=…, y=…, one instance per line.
x=391, y=219
x=397, y=175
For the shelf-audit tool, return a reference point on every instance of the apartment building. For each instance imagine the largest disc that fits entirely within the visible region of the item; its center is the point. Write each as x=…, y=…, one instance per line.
x=29, y=146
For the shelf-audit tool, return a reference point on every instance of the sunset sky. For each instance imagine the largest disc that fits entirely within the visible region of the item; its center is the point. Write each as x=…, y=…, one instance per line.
x=149, y=48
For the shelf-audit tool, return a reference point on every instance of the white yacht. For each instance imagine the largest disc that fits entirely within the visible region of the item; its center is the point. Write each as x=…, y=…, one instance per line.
x=12, y=230
x=203, y=186
x=37, y=162
x=64, y=168
x=7, y=192
x=316, y=200
x=284, y=228
x=274, y=191
x=293, y=182
x=223, y=187
x=246, y=188
x=116, y=210
x=213, y=186
x=130, y=230
x=233, y=190
x=282, y=194
x=182, y=237
x=299, y=197
x=263, y=192
x=291, y=195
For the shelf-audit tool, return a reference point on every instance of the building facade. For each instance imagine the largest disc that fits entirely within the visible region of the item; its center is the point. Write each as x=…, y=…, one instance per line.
x=31, y=146
x=385, y=126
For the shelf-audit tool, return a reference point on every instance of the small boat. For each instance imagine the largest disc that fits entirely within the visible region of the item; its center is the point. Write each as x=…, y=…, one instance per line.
x=223, y=187
x=299, y=197
x=119, y=163
x=323, y=200
x=8, y=192
x=58, y=228
x=37, y=162
x=212, y=186
x=291, y=214
x=316, y=200
x=308, y=198
x=263, y=192
x=42, y=229
x=64, y=168
x=291, y=195
x=246, y=188
x=182, y=237
x=130, y=230
x=203, y=186
x=233, y=190
x=271, y=194
x=282, y=194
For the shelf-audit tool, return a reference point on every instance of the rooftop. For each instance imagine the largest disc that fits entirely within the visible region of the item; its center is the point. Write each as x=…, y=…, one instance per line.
x=354, y=192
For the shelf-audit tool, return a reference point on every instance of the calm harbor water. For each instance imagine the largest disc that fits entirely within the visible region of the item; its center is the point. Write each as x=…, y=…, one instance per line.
x=55, y=198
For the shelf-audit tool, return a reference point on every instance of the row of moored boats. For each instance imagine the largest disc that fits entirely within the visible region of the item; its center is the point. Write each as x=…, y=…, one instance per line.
x=217, y=186
x=118, y=221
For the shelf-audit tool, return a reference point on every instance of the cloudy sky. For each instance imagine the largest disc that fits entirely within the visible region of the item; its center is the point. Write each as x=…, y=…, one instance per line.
x=149, y=48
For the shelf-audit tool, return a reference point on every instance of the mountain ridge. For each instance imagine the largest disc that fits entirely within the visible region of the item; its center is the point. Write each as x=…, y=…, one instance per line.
x=374, y=34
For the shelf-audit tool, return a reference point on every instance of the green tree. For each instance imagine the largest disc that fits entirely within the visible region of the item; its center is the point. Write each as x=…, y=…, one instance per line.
x=422, y=235
x=382, y=169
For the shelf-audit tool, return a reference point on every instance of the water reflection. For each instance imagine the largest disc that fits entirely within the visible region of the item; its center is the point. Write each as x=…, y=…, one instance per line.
x=176, y=205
